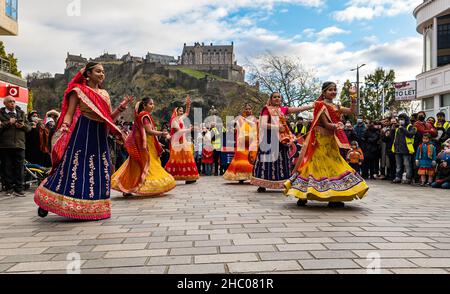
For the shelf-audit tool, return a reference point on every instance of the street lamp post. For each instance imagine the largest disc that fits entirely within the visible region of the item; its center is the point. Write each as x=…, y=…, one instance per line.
x=357, y=86
x=383, y=97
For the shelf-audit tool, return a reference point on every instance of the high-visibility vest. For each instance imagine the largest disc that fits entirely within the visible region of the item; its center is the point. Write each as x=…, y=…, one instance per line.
x=303, y=131
x=409, y=142
x=217, y=142
x=446, y=125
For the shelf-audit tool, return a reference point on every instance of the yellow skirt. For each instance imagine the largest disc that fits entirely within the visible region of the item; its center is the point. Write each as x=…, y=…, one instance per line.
x=327, y=176
x=157, y=181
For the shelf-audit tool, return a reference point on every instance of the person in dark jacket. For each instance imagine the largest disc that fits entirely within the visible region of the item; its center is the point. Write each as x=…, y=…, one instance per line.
x=372, y=153
x=37, y=141
x=165, y=156
x=403, y=148
x=360, y=130
x=350, y=132
x=12, y=146
x=389, y=141
x=443, y=176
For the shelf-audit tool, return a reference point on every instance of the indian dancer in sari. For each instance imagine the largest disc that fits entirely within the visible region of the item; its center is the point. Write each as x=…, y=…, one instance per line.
x=142, y=174
x=79, y=184
x=322, y=174
x=240, y=168
x=273, y=165
x=181, y=164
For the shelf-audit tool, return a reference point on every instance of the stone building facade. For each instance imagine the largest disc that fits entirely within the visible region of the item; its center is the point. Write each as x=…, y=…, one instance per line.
x=77, y=61
x=216, y=59
x=158, y=58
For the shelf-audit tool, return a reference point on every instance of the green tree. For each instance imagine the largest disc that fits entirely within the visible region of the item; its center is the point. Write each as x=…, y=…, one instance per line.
x=30, y=101
x=13, y=65
x=345, y=99
x=2, y=50
x=378, y=84
x=345, y=94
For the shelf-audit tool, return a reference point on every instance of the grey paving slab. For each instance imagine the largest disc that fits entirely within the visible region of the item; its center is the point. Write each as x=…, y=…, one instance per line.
x=197, y=269
x=328, y=264
x=169, y=260
x=267, y=266
x=233, y=229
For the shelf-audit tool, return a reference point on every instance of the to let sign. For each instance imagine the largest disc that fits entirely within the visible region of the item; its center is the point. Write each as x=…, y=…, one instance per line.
x=406, y=91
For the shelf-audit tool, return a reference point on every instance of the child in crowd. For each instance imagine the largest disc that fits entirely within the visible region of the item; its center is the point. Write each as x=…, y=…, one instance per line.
x=207, y=154
x=355, y=157
x=443, y=176
x=426, y=160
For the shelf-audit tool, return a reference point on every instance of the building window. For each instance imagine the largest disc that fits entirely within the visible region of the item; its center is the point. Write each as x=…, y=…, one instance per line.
x=428, y=103
x=443, y=41
x=11, y=9
x=445, y=100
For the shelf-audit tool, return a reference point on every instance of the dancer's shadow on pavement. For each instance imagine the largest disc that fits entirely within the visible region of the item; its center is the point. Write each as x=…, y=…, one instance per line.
x=322, y=207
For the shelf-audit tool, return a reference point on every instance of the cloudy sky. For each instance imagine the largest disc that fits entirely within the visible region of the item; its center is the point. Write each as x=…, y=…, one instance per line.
x=330, y=36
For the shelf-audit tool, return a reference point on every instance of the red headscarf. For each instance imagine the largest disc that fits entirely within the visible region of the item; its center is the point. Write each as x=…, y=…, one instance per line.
x=94, y=101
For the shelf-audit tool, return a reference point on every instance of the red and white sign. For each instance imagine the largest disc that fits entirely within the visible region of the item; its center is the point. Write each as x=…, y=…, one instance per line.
x=13, y=91
x=406, y=91
x=19, y=93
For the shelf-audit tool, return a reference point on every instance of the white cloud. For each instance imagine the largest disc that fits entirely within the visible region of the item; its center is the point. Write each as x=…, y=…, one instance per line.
x=369, y=41
x=47, y=33
x=329, y=32
x=138, y=26
x=309, y=32
x=369, y=9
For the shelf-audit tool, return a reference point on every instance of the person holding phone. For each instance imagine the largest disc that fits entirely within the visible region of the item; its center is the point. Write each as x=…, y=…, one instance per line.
x=13, y=129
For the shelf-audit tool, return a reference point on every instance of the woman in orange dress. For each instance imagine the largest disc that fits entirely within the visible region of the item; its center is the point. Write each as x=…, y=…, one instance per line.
x=142, y=174
x=181, y=164
x=240, y=168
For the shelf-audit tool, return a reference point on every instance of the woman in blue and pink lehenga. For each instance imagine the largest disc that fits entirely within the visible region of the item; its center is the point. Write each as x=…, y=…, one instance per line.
x=80, y=181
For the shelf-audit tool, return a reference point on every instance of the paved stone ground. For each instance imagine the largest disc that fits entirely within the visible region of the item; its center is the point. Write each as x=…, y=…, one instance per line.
x=214, y=227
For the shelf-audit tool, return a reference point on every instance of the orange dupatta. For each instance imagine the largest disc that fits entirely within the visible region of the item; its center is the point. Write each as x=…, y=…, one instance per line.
x=309, y=146
x=134, y=174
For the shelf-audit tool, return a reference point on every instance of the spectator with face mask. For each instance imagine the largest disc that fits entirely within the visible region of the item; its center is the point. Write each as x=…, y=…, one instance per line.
x=423, y=127
x=350, y=132
x=372, y=152
x=389, y=141
x=403, y=148
x=360, y=130
x=36, y=144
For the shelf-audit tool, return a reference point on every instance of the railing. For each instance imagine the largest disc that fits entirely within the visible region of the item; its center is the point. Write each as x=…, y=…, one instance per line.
x=5, y=65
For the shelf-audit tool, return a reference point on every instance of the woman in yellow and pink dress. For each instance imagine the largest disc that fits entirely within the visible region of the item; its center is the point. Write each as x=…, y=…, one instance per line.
x=240, y=168
x=142, y=174
x=181, y=164
x=321, y=173
x=273, y=165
